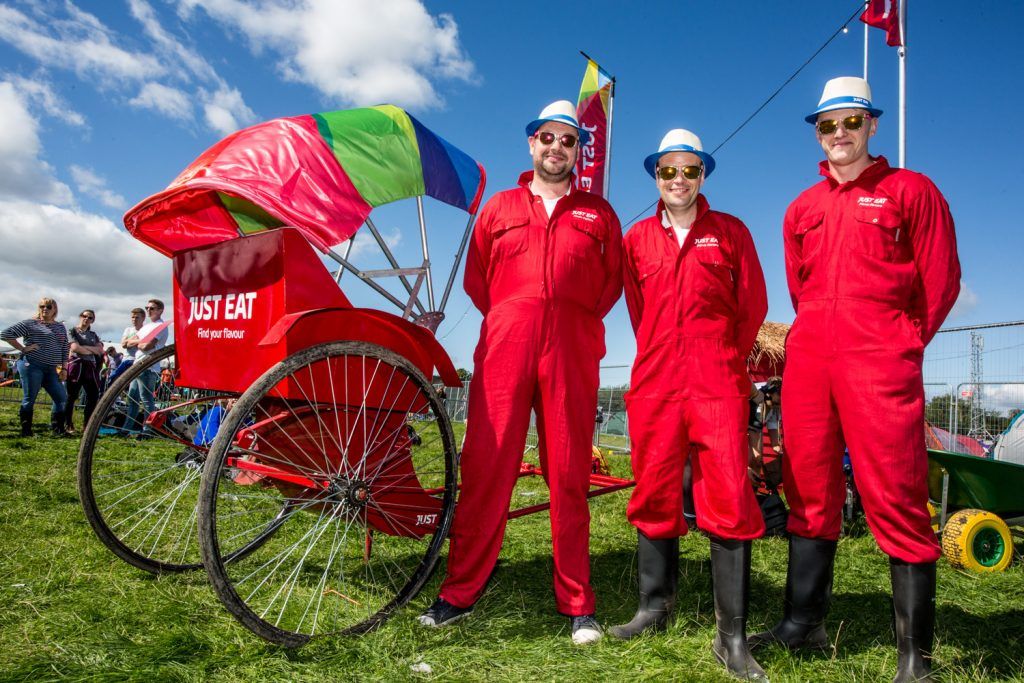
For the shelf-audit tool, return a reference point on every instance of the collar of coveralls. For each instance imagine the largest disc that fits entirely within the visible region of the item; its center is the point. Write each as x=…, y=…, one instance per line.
x=702, y=208
x=878, y=166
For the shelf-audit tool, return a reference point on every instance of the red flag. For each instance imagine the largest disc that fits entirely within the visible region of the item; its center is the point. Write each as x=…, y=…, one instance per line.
x=884, y=14
x=592, y=110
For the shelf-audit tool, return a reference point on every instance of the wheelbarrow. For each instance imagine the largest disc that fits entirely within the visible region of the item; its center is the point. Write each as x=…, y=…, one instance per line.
x=979, y=509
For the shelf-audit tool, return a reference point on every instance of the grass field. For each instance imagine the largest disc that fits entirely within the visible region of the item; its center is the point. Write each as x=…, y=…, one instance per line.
x=72, y=611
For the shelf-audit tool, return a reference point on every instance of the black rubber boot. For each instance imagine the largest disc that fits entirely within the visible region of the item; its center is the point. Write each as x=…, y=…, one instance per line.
x=25, y=417
x=808, y=593
x=913, y=602
x=730, y=580
x=658, y=569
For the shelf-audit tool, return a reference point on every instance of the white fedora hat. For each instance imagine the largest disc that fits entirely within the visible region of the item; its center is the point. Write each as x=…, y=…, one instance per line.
x=680, y=140
x=562, y=111
x=845, y=92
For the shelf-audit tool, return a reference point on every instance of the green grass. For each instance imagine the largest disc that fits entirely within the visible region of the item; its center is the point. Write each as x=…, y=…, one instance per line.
x=73, y=611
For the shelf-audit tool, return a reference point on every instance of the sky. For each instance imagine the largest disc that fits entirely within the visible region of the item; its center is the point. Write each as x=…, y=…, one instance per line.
x=103, y=103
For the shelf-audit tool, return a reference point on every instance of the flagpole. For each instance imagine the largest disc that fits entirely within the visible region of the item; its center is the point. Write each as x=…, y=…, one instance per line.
x=903, y=85
x=608, y=150
x=867, y=27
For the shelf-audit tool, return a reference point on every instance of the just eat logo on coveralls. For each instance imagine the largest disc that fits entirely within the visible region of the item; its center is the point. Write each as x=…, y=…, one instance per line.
x=711, y=241
x=872, y=201
x=584, y=215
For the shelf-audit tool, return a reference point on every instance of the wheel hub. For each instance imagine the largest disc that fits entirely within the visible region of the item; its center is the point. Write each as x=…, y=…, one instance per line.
x=349, y=494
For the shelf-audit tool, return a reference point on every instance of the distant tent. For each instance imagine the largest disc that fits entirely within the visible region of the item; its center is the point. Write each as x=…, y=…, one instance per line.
x=615, y=423
x=941, y=440
x=1010, y=445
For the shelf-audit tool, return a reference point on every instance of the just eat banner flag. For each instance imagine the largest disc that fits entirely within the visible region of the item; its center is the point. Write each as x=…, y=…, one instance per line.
x=884, y=14
x=592, y=113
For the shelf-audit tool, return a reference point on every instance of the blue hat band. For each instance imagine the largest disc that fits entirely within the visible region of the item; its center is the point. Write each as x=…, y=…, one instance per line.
x=844, y=102
x=558, y=118
x=652, y=159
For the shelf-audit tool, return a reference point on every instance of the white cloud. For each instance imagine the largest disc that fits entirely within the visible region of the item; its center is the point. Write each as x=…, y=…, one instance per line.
x=40, y=93
x=168, y=101
x=168, y=46
x=22, y=172
x=358, y=52
x=79, y=43
x=965, y=303
x=90, y=183
x=166, y=80
x=80, y=259
x=226, y=111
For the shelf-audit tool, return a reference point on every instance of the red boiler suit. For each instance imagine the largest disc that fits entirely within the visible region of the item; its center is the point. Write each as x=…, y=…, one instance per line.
x=543, y=285
x=872, y=269
x=696, y=311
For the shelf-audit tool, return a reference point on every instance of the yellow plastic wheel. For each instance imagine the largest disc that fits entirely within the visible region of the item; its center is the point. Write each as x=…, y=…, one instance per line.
x=977, y=540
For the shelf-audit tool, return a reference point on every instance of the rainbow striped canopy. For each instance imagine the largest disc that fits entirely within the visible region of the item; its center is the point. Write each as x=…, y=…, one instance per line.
x=320, y=173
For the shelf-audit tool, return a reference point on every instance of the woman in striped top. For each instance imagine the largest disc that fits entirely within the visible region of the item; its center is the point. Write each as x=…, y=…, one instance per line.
x=44, y=349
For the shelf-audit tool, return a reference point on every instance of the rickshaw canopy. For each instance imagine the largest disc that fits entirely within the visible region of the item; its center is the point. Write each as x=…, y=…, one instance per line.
x=320, y=173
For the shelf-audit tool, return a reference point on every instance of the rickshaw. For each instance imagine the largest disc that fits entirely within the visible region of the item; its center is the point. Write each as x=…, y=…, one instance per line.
x=304, y=442
x=327, y=460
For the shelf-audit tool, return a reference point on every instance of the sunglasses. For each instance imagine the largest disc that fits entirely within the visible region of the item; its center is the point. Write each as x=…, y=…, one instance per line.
x=152, y=308
x=853, y=122
x=546, y=137
x=667, y=173
x=45, y=307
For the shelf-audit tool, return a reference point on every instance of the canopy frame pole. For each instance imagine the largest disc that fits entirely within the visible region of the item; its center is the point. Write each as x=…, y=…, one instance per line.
x=342, y=261
x=394, y=263
x=457, y=262
x=426, y=251
x=348, y=251
x=407, y=313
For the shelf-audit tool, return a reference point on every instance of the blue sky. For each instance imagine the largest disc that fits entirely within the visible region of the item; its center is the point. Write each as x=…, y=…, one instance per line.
x=103, y=103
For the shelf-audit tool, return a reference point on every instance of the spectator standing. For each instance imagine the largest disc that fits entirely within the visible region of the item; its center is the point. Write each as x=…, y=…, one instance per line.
x=83, y=368
x=131, y=332
x=44, y=353
x=149, y=338
x=138, y=317
x=111, y=360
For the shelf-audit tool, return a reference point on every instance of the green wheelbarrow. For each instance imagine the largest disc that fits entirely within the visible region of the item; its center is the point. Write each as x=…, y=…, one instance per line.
x=977, y=504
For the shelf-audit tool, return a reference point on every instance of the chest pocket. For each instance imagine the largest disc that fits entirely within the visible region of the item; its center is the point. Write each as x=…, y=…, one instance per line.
x=648, y=270
x=585, y=238
x=808, y=234
x=714, y=262
x=511, y=237
x=879, y=234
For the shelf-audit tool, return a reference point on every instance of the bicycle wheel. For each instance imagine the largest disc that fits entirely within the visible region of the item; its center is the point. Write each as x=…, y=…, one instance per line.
x=139, y=470
x=354, y=440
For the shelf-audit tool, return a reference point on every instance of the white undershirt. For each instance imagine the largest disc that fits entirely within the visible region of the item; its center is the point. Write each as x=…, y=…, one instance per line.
x=681, y=233
x=549, y=204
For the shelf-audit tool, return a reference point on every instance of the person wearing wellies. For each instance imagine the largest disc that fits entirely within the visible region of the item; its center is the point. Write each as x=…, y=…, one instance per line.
x=872, y=268
x=696, y=298
x=44, y=355
x=544, y=268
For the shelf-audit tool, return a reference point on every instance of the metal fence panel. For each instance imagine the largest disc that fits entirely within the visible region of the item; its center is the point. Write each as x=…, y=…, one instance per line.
x=974, y=379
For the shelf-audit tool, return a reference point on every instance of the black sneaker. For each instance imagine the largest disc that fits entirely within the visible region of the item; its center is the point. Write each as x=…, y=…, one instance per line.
x=443, y=613
x=585, y=630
